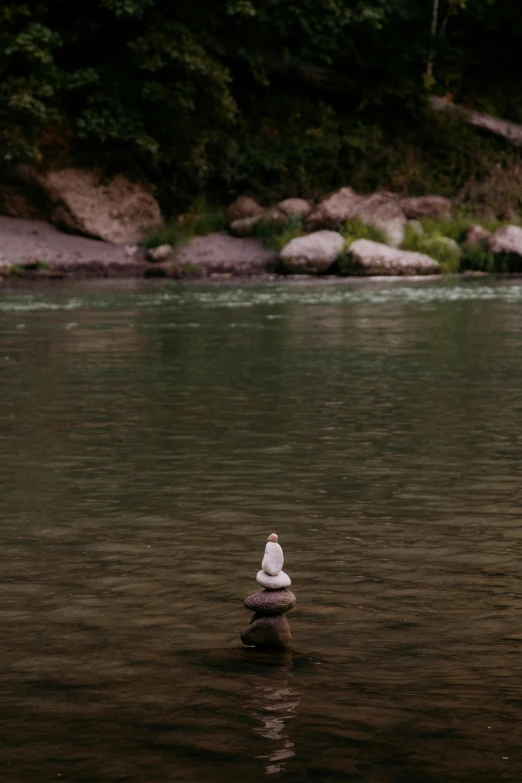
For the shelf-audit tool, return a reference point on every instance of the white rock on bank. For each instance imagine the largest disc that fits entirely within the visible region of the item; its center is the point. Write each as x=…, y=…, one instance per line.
x=381, y=210
x=273, y=560
x=314, y=253
x=507, y=239
x=374, y=258
x=295, y=206
x=273, y=582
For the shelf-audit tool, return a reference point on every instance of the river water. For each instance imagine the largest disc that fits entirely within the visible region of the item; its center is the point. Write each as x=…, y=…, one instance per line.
x=152, y=435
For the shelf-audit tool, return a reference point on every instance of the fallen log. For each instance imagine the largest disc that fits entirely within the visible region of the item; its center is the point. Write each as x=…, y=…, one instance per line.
x=511, y=131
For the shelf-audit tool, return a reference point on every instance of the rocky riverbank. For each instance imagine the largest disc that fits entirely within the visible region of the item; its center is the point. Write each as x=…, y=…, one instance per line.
x=36, y=249
x=76, y=224
x=379, y=234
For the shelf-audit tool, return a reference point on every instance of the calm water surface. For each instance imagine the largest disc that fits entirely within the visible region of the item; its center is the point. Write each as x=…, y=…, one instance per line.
x=151, y=436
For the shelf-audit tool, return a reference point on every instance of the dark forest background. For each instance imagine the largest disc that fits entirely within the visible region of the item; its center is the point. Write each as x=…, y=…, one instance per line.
x=272, y=97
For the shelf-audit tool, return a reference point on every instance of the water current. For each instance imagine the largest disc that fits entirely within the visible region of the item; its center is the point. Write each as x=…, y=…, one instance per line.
x=152, y=435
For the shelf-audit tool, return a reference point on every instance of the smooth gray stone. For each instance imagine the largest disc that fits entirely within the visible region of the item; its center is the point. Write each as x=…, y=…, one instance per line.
x=271, y=602
x=273, y=560
x=273, y=582
x=267, y=632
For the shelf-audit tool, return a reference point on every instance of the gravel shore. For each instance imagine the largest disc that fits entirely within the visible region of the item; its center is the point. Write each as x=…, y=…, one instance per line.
x=53, y=253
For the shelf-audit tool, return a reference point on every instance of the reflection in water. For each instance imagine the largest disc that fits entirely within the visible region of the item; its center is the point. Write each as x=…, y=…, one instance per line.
x=273, y=702
x=273, y=706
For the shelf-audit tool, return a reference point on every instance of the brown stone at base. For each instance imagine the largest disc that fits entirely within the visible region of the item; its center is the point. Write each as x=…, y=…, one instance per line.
x=271, y=602
x=267, y=632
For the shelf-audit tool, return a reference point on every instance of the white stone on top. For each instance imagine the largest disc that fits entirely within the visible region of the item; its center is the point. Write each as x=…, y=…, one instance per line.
x=273, y=559
x=273, y=582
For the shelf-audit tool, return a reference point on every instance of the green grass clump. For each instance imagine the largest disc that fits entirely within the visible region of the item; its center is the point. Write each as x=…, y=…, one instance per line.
x=434, y=243
x=478, y=258
x=448, y=256
x=456, y=227
x=354, y=228
x=21, y=269
x=453, y=228
x=471, y=257
x=15, y=270
x=199, y=220
x=275, y=236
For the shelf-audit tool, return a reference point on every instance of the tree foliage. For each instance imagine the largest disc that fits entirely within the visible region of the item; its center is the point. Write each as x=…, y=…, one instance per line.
x=199, y=94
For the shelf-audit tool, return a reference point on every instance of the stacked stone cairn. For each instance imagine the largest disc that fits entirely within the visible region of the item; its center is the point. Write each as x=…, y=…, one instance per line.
x=269, y=626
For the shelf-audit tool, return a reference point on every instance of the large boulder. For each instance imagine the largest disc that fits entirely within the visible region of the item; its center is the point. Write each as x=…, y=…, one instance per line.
x=381, y=210
x=312, y=254
x=506, y=240
x=365, y=257
x=416, y=207
x=82, y=201
x=334, y=210
x=243, y=207
x=295, y=206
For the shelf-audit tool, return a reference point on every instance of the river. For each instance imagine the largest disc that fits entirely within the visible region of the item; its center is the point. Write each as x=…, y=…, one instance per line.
x=153, y=434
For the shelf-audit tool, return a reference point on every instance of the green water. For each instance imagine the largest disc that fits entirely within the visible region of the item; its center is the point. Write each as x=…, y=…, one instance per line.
x=152, y=435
